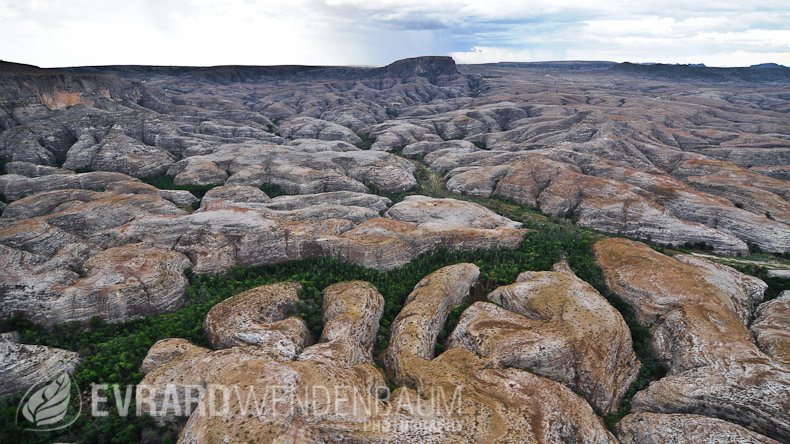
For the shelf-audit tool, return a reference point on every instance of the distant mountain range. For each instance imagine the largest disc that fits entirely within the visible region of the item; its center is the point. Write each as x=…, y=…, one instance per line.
x=765, y=72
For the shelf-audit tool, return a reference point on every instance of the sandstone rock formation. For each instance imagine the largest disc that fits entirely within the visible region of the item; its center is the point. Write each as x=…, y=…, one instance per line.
x=553, y=324
x=656, y=428
x=351, y=311
x=415, y=330
x=342, y=205
x=49, y=202
x=710, y=172
x=623, y=201
x=50, y=236
x=258, y=367
x=671, y=159
x=54, y=272
x=117, y=284
x=310, y=128
x=771, y=327
x=296, y=172
x=263, y=317
x=743, y=292
x=15, y=187
x=28, y=169
x=24, y=366
x=344, y=198
x=166, y=350
x=225, y=236
x=493, y=405
x=447, y=213
x=120, y=153
x=715, y=367
x=234, y=194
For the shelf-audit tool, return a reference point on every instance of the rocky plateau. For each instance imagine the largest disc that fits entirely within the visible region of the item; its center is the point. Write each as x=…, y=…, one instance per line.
x=118, y=183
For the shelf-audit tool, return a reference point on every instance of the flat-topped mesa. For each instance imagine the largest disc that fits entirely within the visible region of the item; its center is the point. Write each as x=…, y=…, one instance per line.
x=437, y=69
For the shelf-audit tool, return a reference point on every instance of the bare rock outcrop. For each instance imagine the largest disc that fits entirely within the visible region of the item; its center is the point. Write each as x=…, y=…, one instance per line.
x=704, y=164
x=24, y=366
x=234, y=194
x=231, y=235
x=415, y=329
x=656, y=428
x=345, y=198
x=321, y=397
x=345, y=205
x=771, y=327
x=351, y=312
x=15, y=187
x=55, y=272
x=49, y=202
x=180, y=198
x=46, y=202
x=316, y=146
x=259, y=368
x=448, y=213
x=198, y=172
x=609, y=205
x=28, y=169
x=311, y=128
x=263, y=316
x=554, y=413
x=120, y=153
x=420, y=149
x=384, y=243
x=391, y=135
x=118, y=284
x=166, y=350
x=76, y=221
x=743, y=292
x=296, y=172
x=213, y=240
x=553, y=324
x=715, y=367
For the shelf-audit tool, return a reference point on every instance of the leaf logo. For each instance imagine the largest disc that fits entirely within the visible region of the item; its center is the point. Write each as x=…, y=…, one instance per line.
x=49, y=405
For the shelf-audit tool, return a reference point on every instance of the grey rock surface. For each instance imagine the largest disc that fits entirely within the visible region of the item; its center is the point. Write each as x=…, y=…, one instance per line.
x=24, y=366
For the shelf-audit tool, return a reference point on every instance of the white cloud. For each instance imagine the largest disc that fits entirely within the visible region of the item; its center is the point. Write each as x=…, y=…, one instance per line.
x=209, y=32
x=481, y=54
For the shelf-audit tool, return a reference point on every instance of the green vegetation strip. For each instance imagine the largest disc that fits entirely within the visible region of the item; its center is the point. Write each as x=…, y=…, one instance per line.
x=165, y=182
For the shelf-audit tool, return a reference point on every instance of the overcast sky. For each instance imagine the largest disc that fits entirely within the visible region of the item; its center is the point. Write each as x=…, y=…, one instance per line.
x=52, y=33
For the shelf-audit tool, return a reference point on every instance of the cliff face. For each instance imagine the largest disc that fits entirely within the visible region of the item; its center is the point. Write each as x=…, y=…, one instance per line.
x=29, y=93
x=433, y=68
